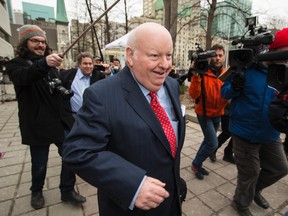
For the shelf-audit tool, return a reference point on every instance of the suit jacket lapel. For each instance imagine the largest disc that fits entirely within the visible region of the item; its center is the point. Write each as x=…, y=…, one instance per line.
x=139, y=103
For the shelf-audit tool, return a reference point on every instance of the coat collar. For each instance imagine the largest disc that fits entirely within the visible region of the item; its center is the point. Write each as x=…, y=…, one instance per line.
x=139, y=103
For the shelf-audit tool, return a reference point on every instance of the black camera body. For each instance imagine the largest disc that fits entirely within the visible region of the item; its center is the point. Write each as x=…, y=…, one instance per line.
x=200, y=58
x=99, y=67
x=55, y=87
x=277, y=76
x=252, y=45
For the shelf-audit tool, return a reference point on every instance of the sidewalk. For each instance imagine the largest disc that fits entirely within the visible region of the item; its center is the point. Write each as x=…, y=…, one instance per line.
x=211, y=196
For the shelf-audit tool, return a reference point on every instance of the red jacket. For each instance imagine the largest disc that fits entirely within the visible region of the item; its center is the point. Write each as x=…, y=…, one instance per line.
x=215, y=104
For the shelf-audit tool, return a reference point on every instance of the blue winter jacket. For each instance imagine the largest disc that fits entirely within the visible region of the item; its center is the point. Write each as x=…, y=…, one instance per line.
x=249, y=107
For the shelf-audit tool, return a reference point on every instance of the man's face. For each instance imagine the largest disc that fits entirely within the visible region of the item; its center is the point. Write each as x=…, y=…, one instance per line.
x=86, y=66
x=116, y=65
x=37, y=45
x=219, y=59
x=151, y=61
x=97, y=61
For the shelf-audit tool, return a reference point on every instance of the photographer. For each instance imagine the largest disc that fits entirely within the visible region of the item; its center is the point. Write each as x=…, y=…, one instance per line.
x=205, y=89
x=279, y=106
x=40, y=112
x=258, y=151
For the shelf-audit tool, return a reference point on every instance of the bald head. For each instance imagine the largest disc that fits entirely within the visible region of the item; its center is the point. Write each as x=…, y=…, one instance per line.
x=149, y=54
x=146, y=31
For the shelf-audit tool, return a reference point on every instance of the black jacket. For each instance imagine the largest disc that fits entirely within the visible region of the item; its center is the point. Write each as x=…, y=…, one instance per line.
x=41, y=115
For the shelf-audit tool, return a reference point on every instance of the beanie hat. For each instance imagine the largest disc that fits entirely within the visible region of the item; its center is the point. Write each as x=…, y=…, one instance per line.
x=280, y=40
x=28, y=31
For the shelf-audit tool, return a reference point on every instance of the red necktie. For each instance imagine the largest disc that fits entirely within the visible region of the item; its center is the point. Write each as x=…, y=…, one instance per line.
x=164, y=120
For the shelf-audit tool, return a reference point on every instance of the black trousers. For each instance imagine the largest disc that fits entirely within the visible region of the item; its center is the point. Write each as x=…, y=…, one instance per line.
x=39, y=159
x=224, y=136
x=259, y=165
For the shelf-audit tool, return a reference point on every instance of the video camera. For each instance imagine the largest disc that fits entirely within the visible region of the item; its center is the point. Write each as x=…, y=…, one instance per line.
x=254, y=50
x=277, y=76
x=251, y=46
x=201, y=64
x=199, y=56
x=55, y=86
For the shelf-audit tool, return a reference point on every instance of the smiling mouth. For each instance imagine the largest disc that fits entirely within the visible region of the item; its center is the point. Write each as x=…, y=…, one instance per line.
x=159, y=73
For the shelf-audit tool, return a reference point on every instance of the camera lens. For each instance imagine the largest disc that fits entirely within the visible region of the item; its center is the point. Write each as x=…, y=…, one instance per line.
x=65, y=93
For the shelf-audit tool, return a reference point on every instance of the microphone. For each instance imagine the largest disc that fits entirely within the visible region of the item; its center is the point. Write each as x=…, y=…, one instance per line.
x=273, y=56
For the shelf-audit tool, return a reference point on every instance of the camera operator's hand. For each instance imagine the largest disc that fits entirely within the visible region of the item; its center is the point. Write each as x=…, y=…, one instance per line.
x=192, y=71
x=54, y=60
x=107, y=69
x=238, y=82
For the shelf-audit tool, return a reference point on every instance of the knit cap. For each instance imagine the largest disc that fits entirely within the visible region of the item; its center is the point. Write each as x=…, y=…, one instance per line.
x=280, y=40
x=28, y=31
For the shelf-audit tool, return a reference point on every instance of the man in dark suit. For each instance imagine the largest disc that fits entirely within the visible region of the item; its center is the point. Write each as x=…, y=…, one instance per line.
x=118, y=143
x=78, y=79
x=40, y=111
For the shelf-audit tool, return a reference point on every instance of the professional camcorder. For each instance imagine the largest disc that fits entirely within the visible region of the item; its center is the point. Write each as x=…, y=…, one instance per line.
x=277, y=76
x=201, y=64
x=250, y=46
x=200, y=58
x=254, y=50
x=55, y=86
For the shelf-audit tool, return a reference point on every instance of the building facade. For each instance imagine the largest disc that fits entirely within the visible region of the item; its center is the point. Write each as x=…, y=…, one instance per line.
x=5, y=31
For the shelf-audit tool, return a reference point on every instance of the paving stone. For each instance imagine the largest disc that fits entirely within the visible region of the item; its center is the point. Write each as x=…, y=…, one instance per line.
x=7, y=193
x=91, y=206
x=39, y=212
x=214, y=200
x=195, y=207
x=9, y=180
x=5, y=207
x=24, y=189
x=65, y=209
x=22, y=206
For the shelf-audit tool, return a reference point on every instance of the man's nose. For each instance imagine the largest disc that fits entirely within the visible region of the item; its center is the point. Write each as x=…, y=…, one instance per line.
x=165, y=63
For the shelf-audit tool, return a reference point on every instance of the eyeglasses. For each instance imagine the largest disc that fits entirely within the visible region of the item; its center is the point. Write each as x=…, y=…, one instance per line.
x=36, y=41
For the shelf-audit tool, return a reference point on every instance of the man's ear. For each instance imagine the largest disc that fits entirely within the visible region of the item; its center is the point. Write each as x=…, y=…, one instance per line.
x=129, y=56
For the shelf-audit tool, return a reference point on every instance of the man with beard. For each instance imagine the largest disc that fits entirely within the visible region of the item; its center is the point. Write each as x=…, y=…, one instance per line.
x=41, y=115
x=206, y=90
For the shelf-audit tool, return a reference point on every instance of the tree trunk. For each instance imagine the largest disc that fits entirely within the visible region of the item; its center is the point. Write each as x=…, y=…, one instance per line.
x=209, y=24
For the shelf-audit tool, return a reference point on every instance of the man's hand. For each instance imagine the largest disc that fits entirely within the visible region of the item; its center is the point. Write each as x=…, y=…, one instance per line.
x=54, y=60
x=151, y=195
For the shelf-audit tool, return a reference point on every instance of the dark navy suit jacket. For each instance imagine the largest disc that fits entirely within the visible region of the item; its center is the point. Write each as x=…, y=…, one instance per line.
x=117, y=140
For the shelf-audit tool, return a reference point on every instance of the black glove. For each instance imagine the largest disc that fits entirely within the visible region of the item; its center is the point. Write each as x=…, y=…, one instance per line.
x=238, y=82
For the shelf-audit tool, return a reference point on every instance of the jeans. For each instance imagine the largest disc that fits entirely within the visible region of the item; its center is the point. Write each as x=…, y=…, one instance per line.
x=259, y=165
x=209, y=128
x=39, y=159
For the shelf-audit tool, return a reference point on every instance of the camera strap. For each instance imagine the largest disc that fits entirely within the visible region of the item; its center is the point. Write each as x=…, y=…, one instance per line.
x=203, y=94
